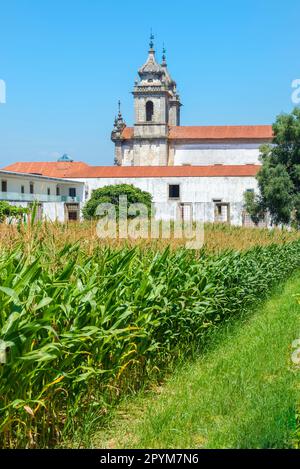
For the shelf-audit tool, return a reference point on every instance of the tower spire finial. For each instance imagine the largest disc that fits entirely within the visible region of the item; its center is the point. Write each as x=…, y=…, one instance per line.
x=151, y=43
x=164, y=55
x=119, y=123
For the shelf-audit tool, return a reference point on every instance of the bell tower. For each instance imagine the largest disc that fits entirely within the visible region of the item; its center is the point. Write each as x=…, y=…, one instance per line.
x=156, y=106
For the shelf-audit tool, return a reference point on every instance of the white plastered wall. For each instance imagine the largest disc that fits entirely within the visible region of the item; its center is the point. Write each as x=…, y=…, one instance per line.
x=217, y=153
x=198, y=191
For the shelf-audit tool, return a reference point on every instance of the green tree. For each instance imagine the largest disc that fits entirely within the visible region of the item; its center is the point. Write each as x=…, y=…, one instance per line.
x=253, y=207
x=10, y=211
x=111, y=194
x=279, y=177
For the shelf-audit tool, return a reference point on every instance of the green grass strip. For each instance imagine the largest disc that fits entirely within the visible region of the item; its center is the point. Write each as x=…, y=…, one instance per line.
x=241, y=394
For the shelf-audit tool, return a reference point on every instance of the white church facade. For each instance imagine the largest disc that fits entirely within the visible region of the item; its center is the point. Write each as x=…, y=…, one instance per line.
x=198, y=172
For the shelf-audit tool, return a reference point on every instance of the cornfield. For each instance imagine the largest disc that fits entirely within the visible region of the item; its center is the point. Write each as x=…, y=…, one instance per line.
x=218, y=236
x=81, y=328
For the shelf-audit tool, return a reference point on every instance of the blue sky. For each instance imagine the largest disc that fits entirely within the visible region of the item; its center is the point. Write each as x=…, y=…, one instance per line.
x=66, y=63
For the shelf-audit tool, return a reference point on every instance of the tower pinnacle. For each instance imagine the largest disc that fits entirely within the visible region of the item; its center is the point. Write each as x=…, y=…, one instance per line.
x=116, y=135
x=151, y=43
x=164, y=56
x=119, y=123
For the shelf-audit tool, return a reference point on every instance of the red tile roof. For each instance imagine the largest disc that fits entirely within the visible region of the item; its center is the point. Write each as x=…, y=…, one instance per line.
x=127, y=133
x=166, y=171
x=222, y=132
x=82, y=170
x=169, y=171
x=219, y=132
x=60, y=169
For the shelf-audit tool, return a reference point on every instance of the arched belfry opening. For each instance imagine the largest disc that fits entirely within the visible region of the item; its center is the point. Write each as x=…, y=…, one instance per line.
x=149, y=111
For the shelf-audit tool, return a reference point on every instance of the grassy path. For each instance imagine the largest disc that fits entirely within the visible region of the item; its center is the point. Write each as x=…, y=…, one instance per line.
x=241, y=394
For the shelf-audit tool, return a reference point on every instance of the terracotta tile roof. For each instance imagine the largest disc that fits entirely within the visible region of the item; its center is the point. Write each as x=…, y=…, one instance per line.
x=127, y=133
x=219, y=132
x=167, y=171
x=222, y=132
x=84, y=171
x=60, y=169
x=5, y=172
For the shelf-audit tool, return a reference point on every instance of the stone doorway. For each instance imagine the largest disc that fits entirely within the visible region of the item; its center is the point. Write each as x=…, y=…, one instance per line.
x=222, y=212
x=185, y=212
x=72, y=212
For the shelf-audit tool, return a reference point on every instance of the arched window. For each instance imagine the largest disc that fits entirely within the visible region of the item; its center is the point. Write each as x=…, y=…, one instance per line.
x=149, y=111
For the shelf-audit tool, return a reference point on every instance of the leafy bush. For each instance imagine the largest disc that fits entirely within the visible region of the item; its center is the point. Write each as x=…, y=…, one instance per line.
x=81, y=330
x=10, y=211
x=111, y=194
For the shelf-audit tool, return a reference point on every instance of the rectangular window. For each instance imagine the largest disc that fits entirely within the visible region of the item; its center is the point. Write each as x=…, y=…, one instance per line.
x=174, y=191
x=31, y=188
x=73, y=216
x=72, y=192
x=22, y=190
x=48, y=191
x=57, y=190
x=249, y=190
x=3, y=186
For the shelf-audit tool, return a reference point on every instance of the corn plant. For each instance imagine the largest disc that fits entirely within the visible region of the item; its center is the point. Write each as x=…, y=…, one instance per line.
x=82, y=329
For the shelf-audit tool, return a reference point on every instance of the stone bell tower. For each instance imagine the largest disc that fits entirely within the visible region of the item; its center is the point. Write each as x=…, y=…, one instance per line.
x=156, y=106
